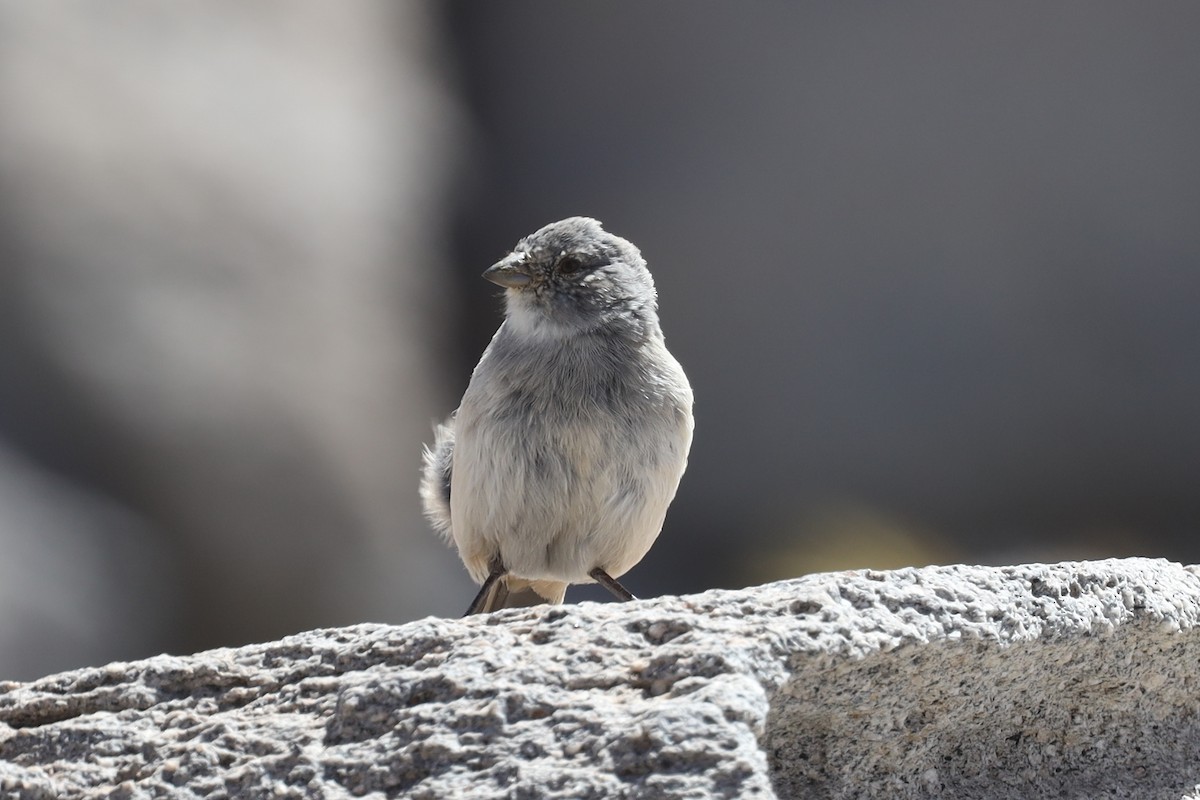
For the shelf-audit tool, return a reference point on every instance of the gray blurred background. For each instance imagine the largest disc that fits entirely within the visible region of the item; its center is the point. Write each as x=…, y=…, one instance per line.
x=933, y=269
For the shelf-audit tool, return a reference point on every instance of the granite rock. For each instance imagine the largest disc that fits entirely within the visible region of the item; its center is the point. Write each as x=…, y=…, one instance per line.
x=1067, y=680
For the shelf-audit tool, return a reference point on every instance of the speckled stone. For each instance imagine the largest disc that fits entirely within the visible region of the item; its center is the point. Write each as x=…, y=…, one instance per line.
x=1068, y=680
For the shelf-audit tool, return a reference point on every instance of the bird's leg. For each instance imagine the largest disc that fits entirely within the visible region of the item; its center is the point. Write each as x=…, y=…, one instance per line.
x=480, y=601
x=609, y=582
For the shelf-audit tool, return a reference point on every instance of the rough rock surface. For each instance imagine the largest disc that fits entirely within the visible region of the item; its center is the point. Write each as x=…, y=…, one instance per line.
x=1069, y=680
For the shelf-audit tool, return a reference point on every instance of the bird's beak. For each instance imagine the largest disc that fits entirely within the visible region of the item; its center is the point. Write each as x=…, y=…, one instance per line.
x=511, y=272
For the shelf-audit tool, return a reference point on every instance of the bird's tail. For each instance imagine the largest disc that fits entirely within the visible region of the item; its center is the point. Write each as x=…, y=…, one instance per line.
x=435, y=478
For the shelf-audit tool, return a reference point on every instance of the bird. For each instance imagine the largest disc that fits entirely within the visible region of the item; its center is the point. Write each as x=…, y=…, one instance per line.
x=569, y=443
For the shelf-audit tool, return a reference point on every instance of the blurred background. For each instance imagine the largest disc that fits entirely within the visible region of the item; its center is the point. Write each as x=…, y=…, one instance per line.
x=933, y=269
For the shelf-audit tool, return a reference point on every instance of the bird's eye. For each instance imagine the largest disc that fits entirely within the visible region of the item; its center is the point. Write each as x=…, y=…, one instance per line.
x=570, y=264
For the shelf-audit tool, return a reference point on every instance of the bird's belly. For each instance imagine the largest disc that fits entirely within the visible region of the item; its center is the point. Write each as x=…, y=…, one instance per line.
x=556, y=506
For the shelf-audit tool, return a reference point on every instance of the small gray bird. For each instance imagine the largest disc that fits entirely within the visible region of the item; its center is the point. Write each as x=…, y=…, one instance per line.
x=567, y=448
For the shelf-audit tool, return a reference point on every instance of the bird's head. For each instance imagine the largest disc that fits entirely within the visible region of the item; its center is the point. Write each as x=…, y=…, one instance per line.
x=572, y=277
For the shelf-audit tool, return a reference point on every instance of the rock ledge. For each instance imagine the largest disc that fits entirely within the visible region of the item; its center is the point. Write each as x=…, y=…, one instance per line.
x=1072, y=680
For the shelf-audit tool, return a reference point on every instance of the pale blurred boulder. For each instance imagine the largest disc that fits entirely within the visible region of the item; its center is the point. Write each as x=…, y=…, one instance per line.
x=223, y=282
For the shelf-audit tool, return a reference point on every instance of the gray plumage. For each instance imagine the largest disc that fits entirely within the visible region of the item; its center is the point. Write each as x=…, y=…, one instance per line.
x=568, y=446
